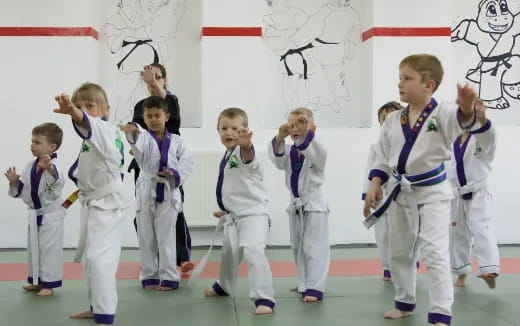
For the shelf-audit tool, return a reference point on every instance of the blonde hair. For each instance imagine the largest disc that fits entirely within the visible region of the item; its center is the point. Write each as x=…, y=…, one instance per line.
x=427, y=65
x=93, y=93
x=303, y=111
x=232, y=113
x=51, y=131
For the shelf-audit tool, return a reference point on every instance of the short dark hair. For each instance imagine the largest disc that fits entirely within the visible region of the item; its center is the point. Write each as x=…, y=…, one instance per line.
x=50, y=130
x=389, y=106
x=155, y=102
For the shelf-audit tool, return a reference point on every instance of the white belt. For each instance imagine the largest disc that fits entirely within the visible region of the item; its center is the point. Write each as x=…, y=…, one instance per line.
x=228, y=222
x=154, y=178
x=470, y=188
x=296, y=210
x=86, y=198
x=33, y=233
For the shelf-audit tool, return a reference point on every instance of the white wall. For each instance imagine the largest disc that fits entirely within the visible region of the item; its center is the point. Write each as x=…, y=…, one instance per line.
x=233, y=74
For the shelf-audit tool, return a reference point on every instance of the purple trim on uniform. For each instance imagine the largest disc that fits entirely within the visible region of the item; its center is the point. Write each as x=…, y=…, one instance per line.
x=404, y=306
x=71, y=172
x=164, y=147
x=36, y=177
x=434, y=317
x=459, y=119
x=378, y=173
x=482, y=129
x=30, y=280
x=150, y=281
x=313, y=293
x=91, y=309
x=418, y=177
x=363, y=196
x=218, y=289
x=220, y=180
x=459, y=151
x=296, y=167
x=186, y=246
x=387, y=274
x=411, y=134
x=273, y=143
x=51, y=285
x=105, y=319
x=307, y=141
x=80, y=134
x=417, y=264
x=264, y=302
x=20, y=188
x=248, y=161
x=170, y=284
x=176, y=177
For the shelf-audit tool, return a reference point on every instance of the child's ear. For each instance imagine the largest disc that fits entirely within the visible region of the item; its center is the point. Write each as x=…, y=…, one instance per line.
x=53, y=147
x=167, y=116
x=313, y=128
x=430, y=84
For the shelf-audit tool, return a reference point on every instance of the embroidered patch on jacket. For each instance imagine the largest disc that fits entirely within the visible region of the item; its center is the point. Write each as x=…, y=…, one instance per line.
x=85, y=147
x=433, y=125
x=233, y=161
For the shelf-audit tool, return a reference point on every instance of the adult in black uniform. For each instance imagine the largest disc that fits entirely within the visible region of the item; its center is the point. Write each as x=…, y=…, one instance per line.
x=154, y=76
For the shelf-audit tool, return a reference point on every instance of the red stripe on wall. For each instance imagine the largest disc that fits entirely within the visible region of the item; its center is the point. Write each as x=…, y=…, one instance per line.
x=231, y=31
x=49, y=31
x=406, y=31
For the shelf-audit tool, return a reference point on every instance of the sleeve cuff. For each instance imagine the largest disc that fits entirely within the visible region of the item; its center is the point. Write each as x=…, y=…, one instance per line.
x=176, y=177
x=363, y=196
x=378, y=173
x=461, y=124
x=248, y=161
x=482, y=129
x=273, y=144
x=78, y=129
x=307, y=141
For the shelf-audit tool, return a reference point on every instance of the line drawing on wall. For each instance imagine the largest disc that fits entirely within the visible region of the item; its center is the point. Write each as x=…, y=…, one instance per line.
x=137, y=34
x=493, y=32
x=314, y=49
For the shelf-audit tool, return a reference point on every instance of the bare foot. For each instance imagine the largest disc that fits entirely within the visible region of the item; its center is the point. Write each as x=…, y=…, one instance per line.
x=45, y=292
x=187, y=267
x=151, y=287
x=294, y=289
x=461, y=281
x=310, y=298
x=489, y=278
x=387, y=279
x=164, y=288
x=30, y=287
x=397, y=314
x=263, y=310
x=441, y=324
x=87, y=314
x=209, y=292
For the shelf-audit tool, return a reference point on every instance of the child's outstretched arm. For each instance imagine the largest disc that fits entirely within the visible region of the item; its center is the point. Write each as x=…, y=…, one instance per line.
x=311, y=148
x=15, y=184
x=465, y=99
x=245, y=141
x=67, y=107
x=486, y=134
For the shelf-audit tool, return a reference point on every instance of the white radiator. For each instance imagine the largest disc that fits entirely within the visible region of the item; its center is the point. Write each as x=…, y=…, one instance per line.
x=199, y=190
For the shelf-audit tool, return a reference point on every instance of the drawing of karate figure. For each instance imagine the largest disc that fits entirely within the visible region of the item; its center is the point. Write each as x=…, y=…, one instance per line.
x=313, y=51
x=493, y=33
x=138, y=33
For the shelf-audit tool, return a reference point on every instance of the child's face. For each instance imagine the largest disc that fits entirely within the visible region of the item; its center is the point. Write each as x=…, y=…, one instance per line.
x=411, y=87
x=227, y=130
x=40, y=146
x=155, y=119
x=296, y=128
x=92, y=108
